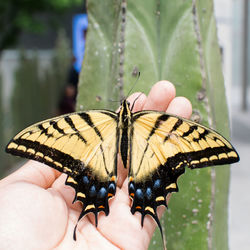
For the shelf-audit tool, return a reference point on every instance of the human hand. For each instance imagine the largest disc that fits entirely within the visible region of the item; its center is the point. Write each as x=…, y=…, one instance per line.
x=36, y=209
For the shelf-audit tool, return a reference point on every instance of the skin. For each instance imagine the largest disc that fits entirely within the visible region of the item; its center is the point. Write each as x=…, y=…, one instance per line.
x=36, y=209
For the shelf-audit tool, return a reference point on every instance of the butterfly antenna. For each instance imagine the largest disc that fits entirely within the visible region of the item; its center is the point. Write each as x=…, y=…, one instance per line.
x=135, y=101
x=138, y=76
x=113, y=101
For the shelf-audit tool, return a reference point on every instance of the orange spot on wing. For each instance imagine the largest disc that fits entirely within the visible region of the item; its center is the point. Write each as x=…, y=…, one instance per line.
x=113, y=178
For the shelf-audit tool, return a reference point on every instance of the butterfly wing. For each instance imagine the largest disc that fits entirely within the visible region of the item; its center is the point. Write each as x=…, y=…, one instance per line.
x=84, y=146
x=162, y=146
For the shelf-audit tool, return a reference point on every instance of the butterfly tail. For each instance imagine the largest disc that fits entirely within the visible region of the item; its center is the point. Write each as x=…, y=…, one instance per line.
x=160, y=227
x=156, y=218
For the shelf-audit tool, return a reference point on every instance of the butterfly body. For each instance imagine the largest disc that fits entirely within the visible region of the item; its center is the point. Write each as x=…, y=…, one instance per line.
x=156, y=147
x=124, y=126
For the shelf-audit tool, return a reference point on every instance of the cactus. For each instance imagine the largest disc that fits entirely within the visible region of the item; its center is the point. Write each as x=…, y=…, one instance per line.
x=173, y=40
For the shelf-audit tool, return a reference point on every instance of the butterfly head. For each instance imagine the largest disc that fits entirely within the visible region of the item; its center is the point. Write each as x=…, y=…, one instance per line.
x=126, y=103
x=125, y=106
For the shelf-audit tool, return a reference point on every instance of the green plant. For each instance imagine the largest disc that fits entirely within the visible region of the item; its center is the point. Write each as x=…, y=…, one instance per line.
x=173, y=40
x=37, y=90
x=23, y=15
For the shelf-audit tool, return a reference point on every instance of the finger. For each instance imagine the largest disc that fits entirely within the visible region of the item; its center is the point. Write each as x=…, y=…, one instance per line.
x=180, y=106
x=159, y=97
x=35, y=173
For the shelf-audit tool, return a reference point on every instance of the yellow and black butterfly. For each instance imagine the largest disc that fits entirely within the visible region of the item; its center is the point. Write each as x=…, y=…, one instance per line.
x=155, y=146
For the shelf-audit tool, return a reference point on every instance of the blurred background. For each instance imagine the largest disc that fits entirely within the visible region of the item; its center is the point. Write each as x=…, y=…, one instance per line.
x=41, y=50
x=233, y=23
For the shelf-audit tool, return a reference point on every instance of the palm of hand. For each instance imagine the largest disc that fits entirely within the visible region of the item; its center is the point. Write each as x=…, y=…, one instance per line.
x=36, y=207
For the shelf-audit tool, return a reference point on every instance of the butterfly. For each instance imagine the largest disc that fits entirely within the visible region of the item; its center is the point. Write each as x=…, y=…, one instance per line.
x=156, y=147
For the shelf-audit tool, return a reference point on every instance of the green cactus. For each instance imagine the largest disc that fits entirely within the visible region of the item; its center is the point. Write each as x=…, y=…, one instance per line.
x=173, y=40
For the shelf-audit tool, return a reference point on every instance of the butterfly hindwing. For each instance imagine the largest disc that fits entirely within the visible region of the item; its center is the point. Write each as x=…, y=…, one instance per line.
x=162, y=146
x=82, y=145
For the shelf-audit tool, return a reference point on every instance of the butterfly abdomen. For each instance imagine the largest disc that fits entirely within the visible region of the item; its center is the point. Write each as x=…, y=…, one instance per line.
x=125, y=126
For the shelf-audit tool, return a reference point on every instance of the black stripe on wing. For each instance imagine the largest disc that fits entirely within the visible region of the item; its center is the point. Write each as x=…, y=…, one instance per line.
x=86, y=117
x=205, y=157
x=160, y=119
x=42, y=153
x=72, y=125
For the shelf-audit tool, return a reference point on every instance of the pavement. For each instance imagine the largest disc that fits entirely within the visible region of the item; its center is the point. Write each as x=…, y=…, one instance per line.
x=239, y=196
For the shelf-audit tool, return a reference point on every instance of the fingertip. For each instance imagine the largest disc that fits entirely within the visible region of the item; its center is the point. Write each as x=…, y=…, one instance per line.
x=160, y=95
x=167, y=85
x=180, y=106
